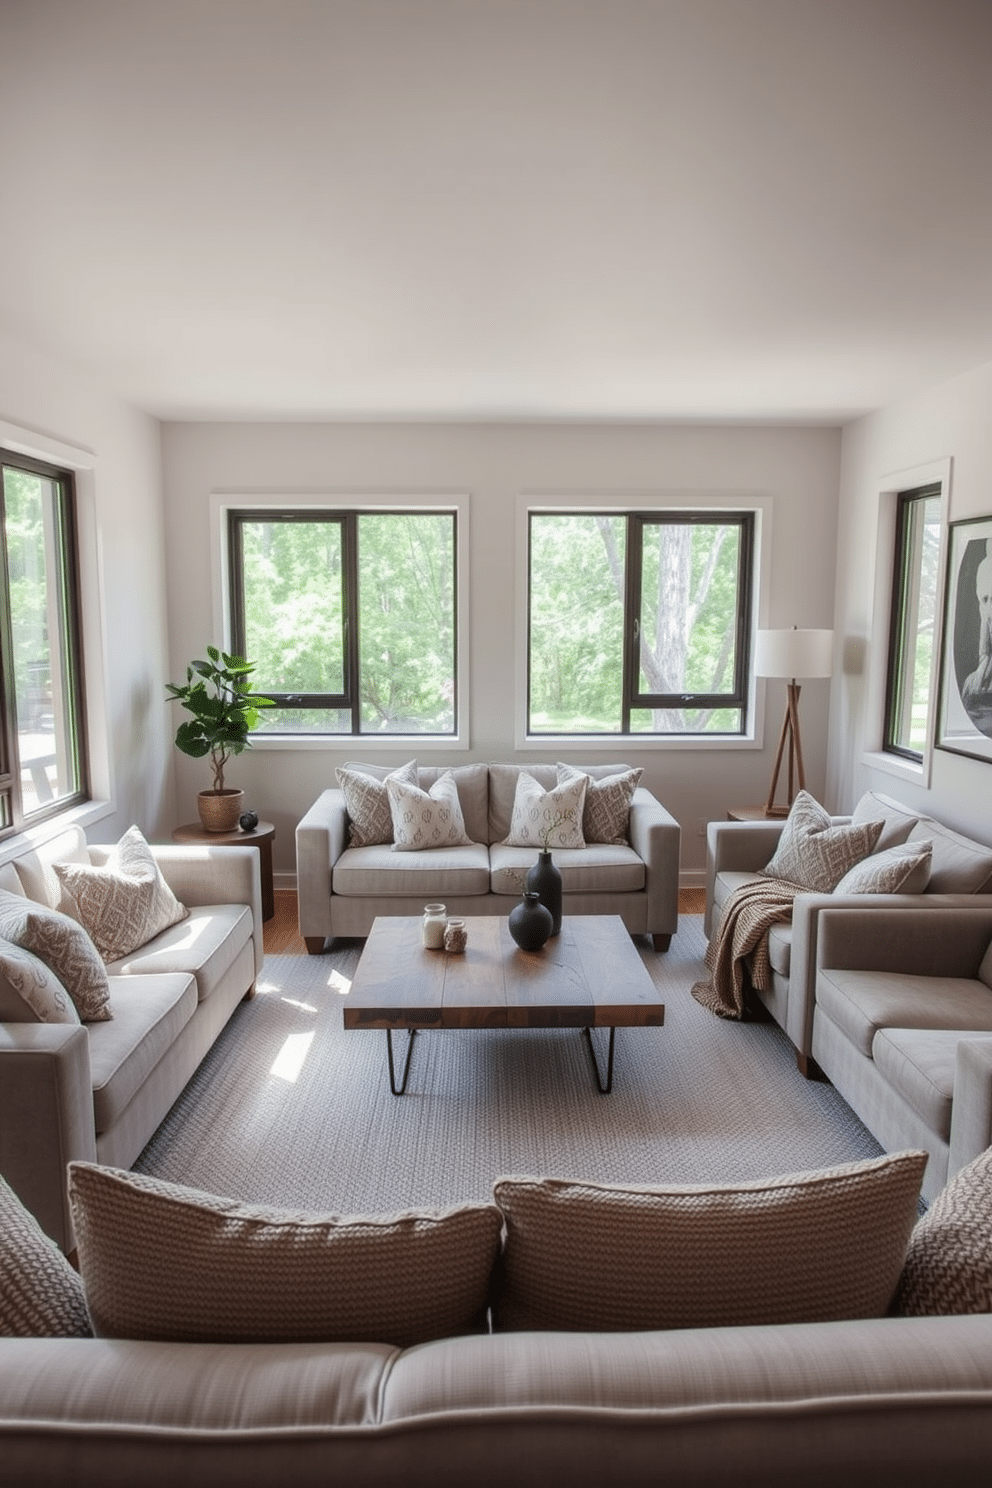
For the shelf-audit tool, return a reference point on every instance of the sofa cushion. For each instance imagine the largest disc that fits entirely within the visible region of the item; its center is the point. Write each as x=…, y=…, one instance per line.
x=164, y=1262
x=366, y=800
x=149, y=1013
x=948, y=1266
x=443, y=874
x=9, y=880
x=547, y=818
x=904, y=869
x=65, y=948
x=814, y=853
x=597, y=868
x=897, y=820
x=425, y=820
x=919, y=1064
x=804, y=1247
x=35, y=870
x=780, y=948
x=204, y=945
x=29, y=991
x=41, y=1296
x=958, y=865
x=606, y=813
x=124, y=903
x=862, y=1002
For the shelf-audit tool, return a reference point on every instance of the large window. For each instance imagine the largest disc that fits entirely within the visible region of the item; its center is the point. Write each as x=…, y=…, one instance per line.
x=639, y=623
x=349, y=618
x=914, y=613
x=42, y=764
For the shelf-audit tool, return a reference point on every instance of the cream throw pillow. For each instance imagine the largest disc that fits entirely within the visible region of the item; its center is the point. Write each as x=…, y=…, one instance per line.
x=814, y=854
x=41, y=1296
x=163, y=1262
x=29, y=991
x=897, y=870
x=606, y=814
x=948, y=1266
x=426, y=819
x=367, y=802
x=807, y=1247
x=124, y=903
x=65, y=948
x=547, y=818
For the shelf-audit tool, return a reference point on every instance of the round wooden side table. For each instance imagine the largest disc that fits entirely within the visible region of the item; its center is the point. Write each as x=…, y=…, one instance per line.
x=260, y=837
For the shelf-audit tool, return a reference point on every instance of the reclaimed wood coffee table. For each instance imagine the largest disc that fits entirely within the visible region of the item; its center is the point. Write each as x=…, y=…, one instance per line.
x=589, y=976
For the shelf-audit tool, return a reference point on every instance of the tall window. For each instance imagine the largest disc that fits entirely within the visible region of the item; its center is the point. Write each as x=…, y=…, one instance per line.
x=639, y=623
x=349, y=617
x=912, y=631
x=42, y=763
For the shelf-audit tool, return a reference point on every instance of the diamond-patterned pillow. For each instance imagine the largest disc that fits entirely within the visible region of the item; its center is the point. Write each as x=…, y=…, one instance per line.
x=948, y=1265
x=547, y=818
x=367, y=802
x=606, y=814
x=126, y=902
x=65, y=948
x=897, y=870
x=30, y=992
x=424, y=820
x=41, y=1295
x=814, y=854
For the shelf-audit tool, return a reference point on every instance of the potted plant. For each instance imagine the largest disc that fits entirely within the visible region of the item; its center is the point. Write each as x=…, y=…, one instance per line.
x=217, y=693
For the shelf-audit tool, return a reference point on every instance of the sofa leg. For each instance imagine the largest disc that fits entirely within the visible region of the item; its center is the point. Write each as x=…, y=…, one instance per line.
x=808, y=1067
x=249, y=994
x=315, y=944
x=661, y=942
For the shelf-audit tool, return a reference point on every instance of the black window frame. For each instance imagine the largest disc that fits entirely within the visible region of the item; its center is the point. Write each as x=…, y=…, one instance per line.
x=637, y=521
x=902, y=579
x=347, y=518
x=13, y=817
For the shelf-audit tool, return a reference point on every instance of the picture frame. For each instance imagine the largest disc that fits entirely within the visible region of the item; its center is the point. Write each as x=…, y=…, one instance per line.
x=964, y=718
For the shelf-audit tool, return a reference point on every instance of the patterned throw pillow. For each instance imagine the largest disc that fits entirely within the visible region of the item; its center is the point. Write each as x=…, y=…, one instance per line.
x=898, y=870
x=814, y=854
x=124, y=903
x=65, y=948
x=163, y=1262
x=29, y=991
x=426, y=819
x=948, y=1267
x=606, y=814
x=367, y=802
x=806, y=1247
x=41, y=1296
x=547, y=818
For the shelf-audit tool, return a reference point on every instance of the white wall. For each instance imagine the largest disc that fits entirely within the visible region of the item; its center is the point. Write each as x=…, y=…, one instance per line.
x=952, y=422
x=46, y=405
x=797, y=469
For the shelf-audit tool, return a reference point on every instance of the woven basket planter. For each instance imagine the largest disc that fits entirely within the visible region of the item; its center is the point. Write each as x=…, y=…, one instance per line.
x=219, y=810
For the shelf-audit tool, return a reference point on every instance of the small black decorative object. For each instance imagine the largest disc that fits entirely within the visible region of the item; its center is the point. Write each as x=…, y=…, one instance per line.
x=545, y=880
x=248, y=821
x=530, y=923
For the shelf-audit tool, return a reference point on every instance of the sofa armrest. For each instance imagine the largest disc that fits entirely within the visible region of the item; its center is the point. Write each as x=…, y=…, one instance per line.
x=656, y=837
x=321, y=838
x=736, y=847
x=971, y=1113
x=46, y=1117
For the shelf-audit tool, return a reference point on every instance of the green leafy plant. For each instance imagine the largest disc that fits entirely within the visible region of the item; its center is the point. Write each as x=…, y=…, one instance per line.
x=224, y=709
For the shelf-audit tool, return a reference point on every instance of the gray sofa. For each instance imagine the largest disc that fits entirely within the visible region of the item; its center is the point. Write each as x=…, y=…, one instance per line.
x=902, y=1004
x=341, y=889
x=737, y=852
x=97, y=1091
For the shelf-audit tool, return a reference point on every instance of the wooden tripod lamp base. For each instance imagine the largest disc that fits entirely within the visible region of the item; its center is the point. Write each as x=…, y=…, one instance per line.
x=791, y=654
x=790, y=735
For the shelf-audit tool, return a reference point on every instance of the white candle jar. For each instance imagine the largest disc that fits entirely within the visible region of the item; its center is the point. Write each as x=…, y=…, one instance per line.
x=435, y=922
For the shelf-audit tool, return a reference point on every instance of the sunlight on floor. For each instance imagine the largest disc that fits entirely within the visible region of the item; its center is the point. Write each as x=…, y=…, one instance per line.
x=304, y=1007
x=338, y=983
x=292, y=1056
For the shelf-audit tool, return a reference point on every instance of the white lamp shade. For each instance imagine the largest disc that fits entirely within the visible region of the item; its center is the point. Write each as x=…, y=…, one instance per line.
x=794, y=653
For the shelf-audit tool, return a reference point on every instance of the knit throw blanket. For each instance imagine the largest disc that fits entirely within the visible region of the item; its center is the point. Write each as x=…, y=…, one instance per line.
x=741, y=944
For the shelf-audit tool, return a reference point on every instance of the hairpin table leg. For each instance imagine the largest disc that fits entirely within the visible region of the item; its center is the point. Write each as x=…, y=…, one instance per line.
x=406, y=1066
x=603, y=1089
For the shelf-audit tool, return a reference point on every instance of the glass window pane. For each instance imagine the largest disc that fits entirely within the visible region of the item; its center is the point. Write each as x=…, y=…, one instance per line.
x=576, y=623
x=406, y=601
x=294, y=607
x=689, y=603
x=303, y=720
x=686, y=720
x=914, y=615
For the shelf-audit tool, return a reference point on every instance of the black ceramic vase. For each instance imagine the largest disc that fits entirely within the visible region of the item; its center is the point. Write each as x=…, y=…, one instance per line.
x=545, y=880
x=530, y=923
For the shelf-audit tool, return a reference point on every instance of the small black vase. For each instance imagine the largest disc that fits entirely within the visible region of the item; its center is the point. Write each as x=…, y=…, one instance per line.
x=530, y=923
x=545, y=880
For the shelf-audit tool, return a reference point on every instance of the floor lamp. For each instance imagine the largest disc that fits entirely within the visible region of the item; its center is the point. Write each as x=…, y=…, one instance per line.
x=791, y=654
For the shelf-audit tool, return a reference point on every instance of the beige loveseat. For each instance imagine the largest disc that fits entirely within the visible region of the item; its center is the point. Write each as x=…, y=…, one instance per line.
x=98, y=1090
x=738, y=852
x=341, y=889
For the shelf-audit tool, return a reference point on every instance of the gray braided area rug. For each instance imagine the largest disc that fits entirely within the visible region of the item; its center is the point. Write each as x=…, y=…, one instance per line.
x=289, y=1109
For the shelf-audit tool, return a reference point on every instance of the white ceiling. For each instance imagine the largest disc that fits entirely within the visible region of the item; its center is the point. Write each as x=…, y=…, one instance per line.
x=647, y=209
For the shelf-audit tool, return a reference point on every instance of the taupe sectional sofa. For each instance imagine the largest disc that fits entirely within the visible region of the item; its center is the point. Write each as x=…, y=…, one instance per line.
x=98, y=1090
x=342, y=889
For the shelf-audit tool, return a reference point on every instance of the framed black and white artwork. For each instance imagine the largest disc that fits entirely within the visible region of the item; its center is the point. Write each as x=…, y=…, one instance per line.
x=964, y=722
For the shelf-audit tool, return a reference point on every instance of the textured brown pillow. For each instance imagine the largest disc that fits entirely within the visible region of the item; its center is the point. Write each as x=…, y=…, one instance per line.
x=948, y=1266
x=163, y=1262
x=814, y=854
x=806, y=1247
x=606, y=814
x=124, y=903
x=65, y=948
x=370, y=821
x=40, y=1294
